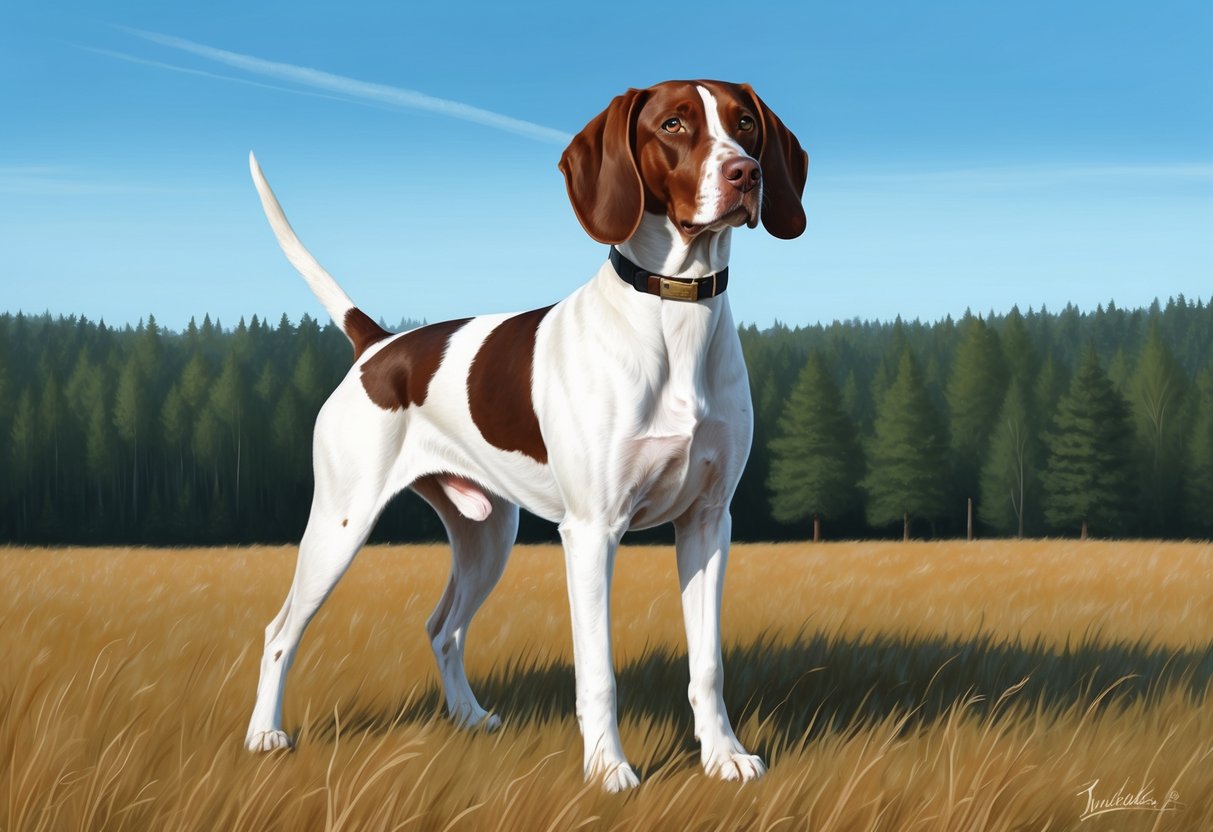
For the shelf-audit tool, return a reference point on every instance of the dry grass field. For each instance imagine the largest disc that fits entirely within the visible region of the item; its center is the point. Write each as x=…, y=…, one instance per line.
x=921, y=686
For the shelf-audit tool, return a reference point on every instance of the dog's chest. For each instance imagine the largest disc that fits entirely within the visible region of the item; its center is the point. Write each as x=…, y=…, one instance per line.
x=693, y=440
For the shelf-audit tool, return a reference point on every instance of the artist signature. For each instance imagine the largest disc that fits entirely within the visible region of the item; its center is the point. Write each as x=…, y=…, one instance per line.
x=1124, y=800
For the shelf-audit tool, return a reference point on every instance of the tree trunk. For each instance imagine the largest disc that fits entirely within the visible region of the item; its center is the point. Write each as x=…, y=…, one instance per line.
x=1019, y=479
x=970, y=519
x=238, y=437
x=135, y=478
x=1083, y=536
x=905, y=527
x=816, y=528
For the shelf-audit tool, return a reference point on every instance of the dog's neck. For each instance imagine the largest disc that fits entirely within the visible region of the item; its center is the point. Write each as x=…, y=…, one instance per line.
x=658, y=247
x=684, y=330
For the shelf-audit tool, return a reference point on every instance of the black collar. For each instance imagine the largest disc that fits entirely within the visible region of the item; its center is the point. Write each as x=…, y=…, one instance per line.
x=669, y=288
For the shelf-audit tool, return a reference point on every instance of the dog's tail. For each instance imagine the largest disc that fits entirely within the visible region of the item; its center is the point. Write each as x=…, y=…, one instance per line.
x=358, y=327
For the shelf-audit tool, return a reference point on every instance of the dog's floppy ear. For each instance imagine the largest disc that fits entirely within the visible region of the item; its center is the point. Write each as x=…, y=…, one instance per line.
x=785, y=166
x=599, y=168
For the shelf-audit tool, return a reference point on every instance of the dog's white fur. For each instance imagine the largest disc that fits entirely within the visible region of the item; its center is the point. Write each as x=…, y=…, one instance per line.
x=644, y=406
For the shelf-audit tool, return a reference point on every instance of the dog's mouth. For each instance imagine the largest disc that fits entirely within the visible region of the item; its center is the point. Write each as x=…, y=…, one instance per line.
x=733, y=218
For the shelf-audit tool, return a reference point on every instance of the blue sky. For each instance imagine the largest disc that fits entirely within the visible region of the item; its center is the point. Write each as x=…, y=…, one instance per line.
x=963, y=155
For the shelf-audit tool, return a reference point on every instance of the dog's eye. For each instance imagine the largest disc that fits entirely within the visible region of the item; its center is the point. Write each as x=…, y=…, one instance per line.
x=672, y=125
x=746, y=124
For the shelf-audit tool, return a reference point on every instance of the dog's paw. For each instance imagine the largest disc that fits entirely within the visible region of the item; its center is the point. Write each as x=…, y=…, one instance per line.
x=484, y=722
x=738, y=767
x=267, y=741
x=619, y=778
x=475, y=719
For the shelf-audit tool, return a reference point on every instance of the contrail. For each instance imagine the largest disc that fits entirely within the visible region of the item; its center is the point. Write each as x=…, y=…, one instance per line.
x=122, y=56
x=353, y=88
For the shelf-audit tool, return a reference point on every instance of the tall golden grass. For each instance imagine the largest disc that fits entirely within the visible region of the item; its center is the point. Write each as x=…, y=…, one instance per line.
x=923, y=686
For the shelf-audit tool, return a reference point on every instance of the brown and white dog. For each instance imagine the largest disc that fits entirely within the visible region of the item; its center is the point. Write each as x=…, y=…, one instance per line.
x=623, y=406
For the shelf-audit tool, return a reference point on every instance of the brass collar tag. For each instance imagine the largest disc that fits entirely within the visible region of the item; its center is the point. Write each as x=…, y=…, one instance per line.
x=672, y=288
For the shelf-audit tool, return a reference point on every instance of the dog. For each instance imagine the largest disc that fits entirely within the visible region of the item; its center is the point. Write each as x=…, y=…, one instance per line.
x=624, y=406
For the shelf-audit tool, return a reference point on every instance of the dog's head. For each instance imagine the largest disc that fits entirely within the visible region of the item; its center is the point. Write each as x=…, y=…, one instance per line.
x=706, y=154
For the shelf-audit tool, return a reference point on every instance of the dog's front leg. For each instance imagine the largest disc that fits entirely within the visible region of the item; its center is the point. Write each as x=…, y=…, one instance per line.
x=589, y=556
x=702, y=543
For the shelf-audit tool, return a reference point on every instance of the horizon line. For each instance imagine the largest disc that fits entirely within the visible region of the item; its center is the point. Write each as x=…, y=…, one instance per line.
x=1100, y=307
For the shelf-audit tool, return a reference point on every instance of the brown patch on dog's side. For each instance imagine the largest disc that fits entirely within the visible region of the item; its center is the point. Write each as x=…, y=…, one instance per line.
x=499, y=387
x=399, y=374
x=345, y=522
x=278, y=655
x=362, y=331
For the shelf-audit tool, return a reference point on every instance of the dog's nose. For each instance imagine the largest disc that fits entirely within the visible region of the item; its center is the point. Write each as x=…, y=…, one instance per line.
x=741, y=172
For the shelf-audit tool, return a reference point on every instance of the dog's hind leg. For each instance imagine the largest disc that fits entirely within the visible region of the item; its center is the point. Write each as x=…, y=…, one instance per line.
x=343, y=512
x=326, y=551
x=479, y=551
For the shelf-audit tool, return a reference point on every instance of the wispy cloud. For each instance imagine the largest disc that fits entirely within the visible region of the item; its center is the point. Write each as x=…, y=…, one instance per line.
x=122, y=56
x=364, y=92
x=56, y=180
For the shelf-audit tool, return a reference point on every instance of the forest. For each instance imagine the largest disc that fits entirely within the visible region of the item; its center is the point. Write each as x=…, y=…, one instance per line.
x=1061, y=424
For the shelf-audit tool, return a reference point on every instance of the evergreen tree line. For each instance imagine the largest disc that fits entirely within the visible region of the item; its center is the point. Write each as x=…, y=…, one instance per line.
x=1049, y=422
x=142, y=435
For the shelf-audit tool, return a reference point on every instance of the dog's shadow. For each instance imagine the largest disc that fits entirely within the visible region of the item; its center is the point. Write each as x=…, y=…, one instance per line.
x=806, y=686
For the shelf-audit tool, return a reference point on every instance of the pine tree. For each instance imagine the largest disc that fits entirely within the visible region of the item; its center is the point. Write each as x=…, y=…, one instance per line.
x=130, y=418
x=306, y=380
x=86, y=396
x=227, y=400
x=1051, y=384
x=815, y=465
x=1010, y=477
x=1019, y=353
x=194, y=383
x=976, y=389
x=1088, y=478
x=263, y=464
x=8, y=488
x=849, y=398
x=1198, y=481
x=50, y=418
x=208, y=445
x=289, y=435
x=1120, y=371
x=99, y=449
x=175, y=429
x=1157, y=389
x=24, y=451
x=148, y=351
x=886, y=370
x=907, y=457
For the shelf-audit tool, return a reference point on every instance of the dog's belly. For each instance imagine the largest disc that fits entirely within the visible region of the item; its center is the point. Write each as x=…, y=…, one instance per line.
x=469, y=469
x=659, y=478
x=528, y=485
